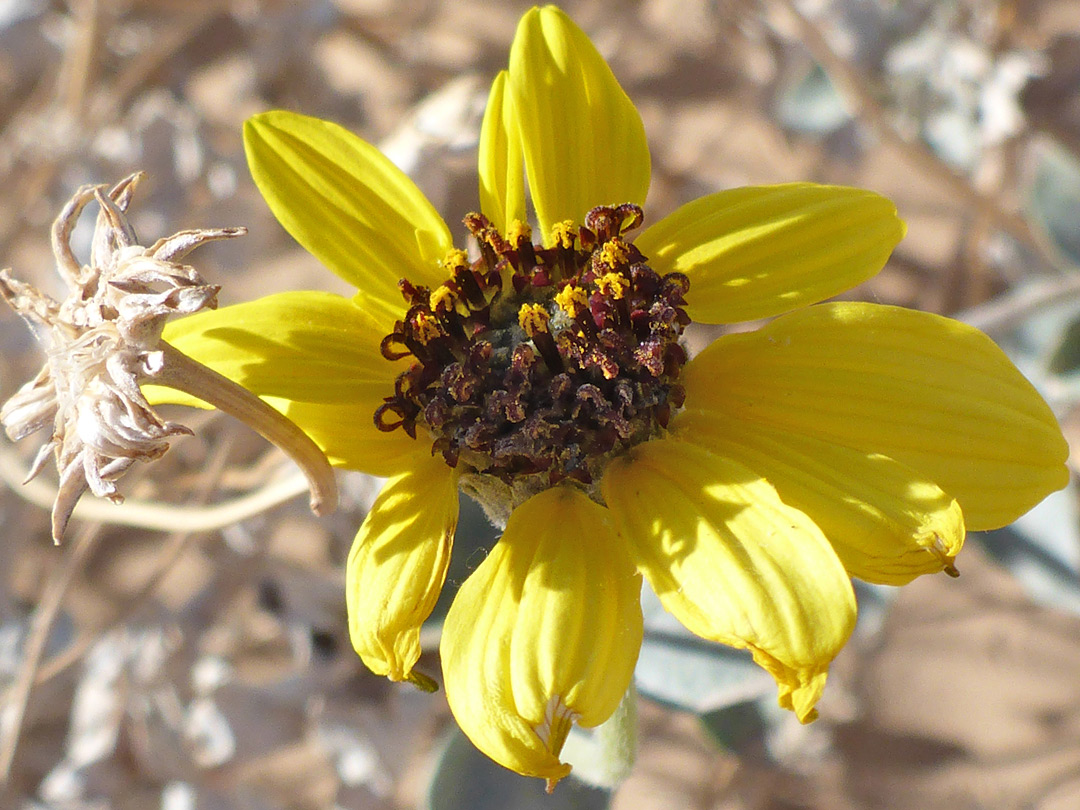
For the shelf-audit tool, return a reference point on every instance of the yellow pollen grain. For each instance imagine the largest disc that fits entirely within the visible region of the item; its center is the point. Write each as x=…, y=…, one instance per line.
x=614, y=253
x=613, y=285
x=427, y=327
x=518, y=232
x=442, y=297
x=455, y=258
x=563, y=233
x=533, y=318
x=571, y=299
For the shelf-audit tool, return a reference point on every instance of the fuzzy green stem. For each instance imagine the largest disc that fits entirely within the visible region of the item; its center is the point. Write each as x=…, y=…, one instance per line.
x=606, y=757
x=617, y=738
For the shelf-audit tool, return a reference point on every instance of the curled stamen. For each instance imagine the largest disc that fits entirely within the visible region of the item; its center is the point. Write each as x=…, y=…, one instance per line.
x=387, y=350
x=630, y=217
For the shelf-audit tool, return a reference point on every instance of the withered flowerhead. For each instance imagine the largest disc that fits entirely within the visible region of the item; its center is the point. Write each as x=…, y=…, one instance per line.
x=103, y=340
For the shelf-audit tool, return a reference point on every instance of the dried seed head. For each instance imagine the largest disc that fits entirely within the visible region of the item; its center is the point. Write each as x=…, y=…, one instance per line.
x=104, y=340
x=101, y=341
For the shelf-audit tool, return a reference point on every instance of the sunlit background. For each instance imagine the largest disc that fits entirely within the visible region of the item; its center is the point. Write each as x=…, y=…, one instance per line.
x=211, y=670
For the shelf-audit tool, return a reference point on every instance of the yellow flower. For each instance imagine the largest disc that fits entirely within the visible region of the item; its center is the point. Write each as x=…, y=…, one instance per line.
x=547, y=380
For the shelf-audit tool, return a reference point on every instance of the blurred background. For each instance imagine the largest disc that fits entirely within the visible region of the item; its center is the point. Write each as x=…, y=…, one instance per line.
x=187, y=667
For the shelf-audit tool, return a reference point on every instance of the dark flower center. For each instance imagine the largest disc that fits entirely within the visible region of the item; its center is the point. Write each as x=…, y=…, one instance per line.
x=540, y=362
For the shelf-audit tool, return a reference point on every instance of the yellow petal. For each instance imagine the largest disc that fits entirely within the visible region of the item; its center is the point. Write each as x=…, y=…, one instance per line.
x=733, y=563
x=887, y=522
x=315, y=357
x=348, y=436
x=931, y=393
x=381, y=314
x=397, y=566
x=342, y=432
x=502, y=171
x=349, y=442
x=584, y=141
x=308, y=346
x=346, y=203
x=544, y=633
x=759, y=251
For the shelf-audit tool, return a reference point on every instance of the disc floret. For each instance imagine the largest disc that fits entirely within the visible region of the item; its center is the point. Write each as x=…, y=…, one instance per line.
x=538, y=363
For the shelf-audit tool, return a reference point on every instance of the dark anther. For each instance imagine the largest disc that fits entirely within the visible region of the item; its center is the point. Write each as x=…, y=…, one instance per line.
x=644, y=281
x=676, y=285
x=596, y=358
x=587, y=240
x=674, y=360
x=479, y=436
x=466, y=279
x=601, y=308
x=454, y=326
x=650, y=355
x=413, y=295
x=417, y=349
x=437, y=414
x=459, y=383
x=662, y=414
x=506, y=405
x=545, y=344
x=523, y=360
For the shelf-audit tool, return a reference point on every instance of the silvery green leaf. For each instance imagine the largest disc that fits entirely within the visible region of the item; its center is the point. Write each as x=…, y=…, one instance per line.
x=1054, y=199
x=678, y=668
x=465, y=779
x=1042, y=550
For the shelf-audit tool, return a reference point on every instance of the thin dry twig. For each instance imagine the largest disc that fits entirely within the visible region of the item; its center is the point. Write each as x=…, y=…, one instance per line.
x=17, y=698
x=66, y=90
x=184, y=374
x=157, y=517
x=1009, y=310
x=78, y=69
